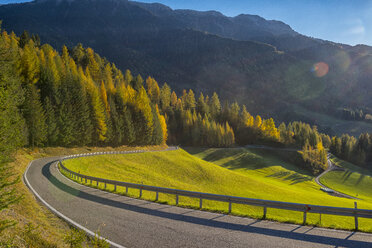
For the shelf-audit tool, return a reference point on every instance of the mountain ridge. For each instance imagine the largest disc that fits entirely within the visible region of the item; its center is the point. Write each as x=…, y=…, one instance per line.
x=264, y=64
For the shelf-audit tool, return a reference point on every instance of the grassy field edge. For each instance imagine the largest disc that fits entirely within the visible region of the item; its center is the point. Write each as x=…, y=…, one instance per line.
x=254, y=212
x=36, y=225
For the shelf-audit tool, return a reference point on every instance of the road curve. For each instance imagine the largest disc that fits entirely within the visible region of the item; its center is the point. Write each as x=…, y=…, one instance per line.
x=136, y=223
x=330, y=167
x=333, y=192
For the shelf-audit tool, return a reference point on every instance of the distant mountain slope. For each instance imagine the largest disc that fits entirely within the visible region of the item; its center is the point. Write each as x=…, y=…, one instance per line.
x=264, y=64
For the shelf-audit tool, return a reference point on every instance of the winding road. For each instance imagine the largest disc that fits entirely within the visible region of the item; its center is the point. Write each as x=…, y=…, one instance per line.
x=128, y=222
x=331, y=167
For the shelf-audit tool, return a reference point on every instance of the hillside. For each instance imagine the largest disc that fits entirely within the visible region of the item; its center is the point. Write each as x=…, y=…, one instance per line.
x=244, y=58
x=257, y=174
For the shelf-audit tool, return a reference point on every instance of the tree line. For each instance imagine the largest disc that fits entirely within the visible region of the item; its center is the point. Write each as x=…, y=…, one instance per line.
x=77, y=98
x=355, y=150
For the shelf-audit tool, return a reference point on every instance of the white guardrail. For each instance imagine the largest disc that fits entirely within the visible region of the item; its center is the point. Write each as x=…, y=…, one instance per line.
x=305, y=208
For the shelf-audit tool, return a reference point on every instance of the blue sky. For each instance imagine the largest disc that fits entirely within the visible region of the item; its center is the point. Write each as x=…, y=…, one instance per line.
x=345, y=21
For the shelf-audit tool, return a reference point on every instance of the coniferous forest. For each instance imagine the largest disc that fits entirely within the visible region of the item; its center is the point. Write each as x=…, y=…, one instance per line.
x=77, y=98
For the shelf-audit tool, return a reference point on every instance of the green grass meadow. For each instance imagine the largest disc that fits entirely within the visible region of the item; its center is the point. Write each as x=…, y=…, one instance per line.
x=354, y=181
x=253, y=173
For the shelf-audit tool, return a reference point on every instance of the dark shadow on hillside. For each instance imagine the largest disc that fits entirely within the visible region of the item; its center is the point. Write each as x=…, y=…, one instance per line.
x=293, y=177
x=346, y=175
x=213, y=223
x=360, y=179
x=243, y=159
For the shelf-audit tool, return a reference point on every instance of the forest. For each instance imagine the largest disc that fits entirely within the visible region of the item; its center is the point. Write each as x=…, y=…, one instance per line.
x=77, y=98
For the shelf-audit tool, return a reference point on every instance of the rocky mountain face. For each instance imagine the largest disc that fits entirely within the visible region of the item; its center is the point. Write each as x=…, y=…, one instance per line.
x=264, y=64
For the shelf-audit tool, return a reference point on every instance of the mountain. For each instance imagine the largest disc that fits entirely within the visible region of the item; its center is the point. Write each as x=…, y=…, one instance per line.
x=264, y=64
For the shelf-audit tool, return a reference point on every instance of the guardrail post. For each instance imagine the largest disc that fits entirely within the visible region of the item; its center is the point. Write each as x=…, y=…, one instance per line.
x=356, y=217
x=114, y=187
x=126, y=189
x=201, y=203
x=97, y=184
x=176, y=200
x=157, y=196
x=140, y=193
x=86, y=180
x=305, y=214
x=230, y=206
x=105, y=185
x=320, y=218
x=264, y=213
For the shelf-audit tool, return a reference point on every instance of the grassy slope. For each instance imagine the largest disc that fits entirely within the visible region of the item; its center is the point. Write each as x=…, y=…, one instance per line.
x=240, y=172
x=339, y=126
x=354, y=181
x=37, y=226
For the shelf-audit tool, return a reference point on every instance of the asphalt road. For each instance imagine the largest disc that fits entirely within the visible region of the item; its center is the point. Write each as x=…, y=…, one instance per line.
x=137, y=223
x=333, y=192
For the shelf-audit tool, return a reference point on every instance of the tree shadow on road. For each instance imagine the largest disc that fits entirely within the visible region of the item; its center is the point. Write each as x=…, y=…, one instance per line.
x=67, y=186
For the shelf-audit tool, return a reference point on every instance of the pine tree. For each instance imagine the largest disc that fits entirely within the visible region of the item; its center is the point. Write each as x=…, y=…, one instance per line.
x=108, y=79
x=137, y=83
x=35, y=117
x=128, y=77
x=103, y=94
x=12, y=125
x=202, y=106
x=215, y=106
x=51, y=123
x=157, y=134
x=165, y=97
x=24, y=39
x=153, y=90
x=190, y=102
x=93, y=65
x=174, y=99
x=143, y=118
x=29, y=64
x=98, y=111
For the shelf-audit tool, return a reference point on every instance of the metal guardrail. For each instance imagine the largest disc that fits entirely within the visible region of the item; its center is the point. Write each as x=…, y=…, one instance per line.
x=305, y=208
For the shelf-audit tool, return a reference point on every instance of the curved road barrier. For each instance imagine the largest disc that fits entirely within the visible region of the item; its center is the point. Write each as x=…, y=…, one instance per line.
x=131, y=222
x=305, y=208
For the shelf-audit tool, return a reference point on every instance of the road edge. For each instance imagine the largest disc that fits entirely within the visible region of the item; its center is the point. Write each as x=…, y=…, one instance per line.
x=59, y=214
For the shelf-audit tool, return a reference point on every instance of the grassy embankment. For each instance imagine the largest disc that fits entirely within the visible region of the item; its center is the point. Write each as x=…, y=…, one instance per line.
x=239, y=172
x=36, y=225
x=337, y=125
x=354, y=180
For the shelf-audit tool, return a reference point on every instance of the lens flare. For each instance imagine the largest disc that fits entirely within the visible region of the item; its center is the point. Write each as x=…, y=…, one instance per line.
x=320, y=69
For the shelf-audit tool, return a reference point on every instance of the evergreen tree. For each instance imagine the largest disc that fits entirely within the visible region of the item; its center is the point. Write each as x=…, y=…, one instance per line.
x=202, y=106
x=153, y=90
x=51, y=123
x=190, y=102
x=157, y=134
x=137, y=83
x=165, y=97
x=35, y=117
x=174, y=99
x=24, y=39
x=215, y=106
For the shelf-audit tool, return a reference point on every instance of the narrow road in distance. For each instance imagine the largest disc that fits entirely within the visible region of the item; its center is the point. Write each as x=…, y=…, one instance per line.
x=330, y=167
